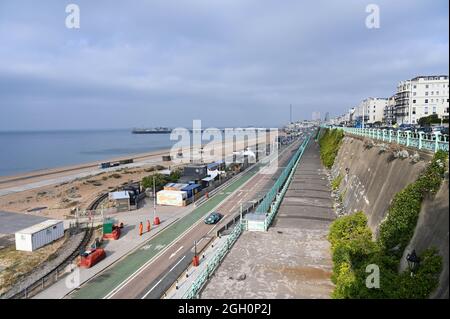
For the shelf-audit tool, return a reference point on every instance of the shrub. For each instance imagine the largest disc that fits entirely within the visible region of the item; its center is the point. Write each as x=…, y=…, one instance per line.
x=160, y=179
x=353, y=250
x=336, y=182
x=398, y=228
x=329, y=146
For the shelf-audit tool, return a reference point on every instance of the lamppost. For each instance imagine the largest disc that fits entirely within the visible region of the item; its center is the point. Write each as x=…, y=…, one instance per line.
x=413, y=261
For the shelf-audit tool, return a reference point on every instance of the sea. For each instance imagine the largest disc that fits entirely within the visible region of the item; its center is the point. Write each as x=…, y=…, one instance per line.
x=22, y=152
x=27, y=151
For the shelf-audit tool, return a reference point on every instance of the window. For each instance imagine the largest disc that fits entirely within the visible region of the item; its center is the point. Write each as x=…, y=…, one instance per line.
x=426, y=86
x=415, y=86
x=414, y=101
x=413, y=110
x=426, y=93
x=426, y=110
x=414, y=93
x=434, y=109
x=437, y=92
x=426, y=101
x=432, y=92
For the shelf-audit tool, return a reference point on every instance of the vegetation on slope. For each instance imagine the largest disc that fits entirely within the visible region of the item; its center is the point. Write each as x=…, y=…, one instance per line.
x=353, y=248
x=329, y=146
x=398, y=229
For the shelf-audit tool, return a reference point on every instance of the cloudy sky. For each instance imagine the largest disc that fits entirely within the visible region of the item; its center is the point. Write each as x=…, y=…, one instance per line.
x=226, y=62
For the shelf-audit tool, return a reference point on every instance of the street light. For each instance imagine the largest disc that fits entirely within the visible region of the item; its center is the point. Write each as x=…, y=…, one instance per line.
x=413, y=261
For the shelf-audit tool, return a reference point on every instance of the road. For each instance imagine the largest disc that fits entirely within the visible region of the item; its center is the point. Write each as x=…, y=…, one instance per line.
x=149, y=271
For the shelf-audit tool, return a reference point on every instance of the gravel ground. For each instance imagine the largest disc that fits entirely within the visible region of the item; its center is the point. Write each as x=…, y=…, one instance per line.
x=64, y=251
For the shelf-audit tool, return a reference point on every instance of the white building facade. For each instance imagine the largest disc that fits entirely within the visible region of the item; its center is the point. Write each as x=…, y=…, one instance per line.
x=420, y=97
x=370, y=110
x=388, y=115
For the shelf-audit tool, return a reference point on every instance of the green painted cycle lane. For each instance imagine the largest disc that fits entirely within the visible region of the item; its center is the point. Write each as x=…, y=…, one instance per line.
x=101, y=285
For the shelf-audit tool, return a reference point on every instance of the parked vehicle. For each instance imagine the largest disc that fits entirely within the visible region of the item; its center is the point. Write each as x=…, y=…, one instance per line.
x=434, y=129
x=213, y=218
x=406, y=127
x=91, y=257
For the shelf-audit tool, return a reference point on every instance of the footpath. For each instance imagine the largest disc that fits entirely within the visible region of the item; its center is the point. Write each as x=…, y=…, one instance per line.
x=293, y=258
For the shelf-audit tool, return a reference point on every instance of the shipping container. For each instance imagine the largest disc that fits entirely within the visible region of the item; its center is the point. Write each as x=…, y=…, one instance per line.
x=127, y=161
x=191, y=189
x=39, y=235
x=171, y=198
x=105, y=165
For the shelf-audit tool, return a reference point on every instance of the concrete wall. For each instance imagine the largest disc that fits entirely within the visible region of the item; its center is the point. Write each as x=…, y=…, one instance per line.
x=375, y=176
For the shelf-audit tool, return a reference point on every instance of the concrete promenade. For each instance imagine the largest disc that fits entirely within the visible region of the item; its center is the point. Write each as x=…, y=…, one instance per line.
x=292, y=259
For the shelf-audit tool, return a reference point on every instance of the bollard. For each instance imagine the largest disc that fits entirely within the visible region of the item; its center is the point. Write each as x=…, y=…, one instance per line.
x=195, y=261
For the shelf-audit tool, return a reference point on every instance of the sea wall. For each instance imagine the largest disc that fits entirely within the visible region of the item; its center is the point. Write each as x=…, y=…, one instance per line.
x=372, y=172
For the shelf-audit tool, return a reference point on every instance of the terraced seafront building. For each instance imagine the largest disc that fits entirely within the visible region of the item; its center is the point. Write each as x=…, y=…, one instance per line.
x=420, y=97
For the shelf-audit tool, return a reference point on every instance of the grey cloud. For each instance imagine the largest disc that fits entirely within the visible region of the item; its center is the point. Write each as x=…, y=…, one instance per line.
x=226, y=62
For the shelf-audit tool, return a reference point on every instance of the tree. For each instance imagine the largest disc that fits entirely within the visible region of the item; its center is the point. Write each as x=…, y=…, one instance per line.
x=428, y=120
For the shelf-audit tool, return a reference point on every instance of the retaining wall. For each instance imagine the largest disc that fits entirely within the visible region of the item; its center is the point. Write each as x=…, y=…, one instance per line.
x=375, y=174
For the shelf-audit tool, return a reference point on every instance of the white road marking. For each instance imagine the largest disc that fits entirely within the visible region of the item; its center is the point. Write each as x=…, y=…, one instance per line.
x=173, y=255
x=212, y=229
x=148, y=292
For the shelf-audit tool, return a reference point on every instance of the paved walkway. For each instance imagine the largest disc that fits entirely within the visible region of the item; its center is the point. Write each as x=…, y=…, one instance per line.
x=292, y=259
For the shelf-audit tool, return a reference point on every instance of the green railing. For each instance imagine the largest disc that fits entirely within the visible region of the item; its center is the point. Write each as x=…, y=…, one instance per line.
x=419, y=140
x=271, y=200
x=213, y=263
x=279, y=197
x=274, y=191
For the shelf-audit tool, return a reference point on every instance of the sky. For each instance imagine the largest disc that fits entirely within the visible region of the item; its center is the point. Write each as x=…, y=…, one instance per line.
x=226, y=62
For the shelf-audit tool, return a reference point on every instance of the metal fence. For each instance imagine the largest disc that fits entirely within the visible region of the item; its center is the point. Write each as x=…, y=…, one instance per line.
x=198, y=284
x=274, y=191
x=212, y=265
x=289, y=174
x=419, y=140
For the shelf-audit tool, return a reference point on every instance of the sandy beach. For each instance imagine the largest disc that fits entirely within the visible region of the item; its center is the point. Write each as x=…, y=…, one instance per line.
x=66, y=188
